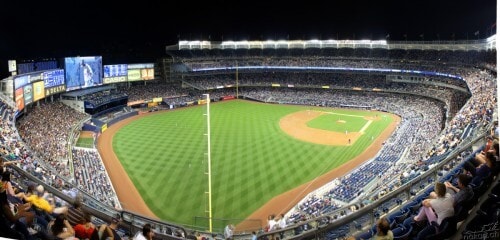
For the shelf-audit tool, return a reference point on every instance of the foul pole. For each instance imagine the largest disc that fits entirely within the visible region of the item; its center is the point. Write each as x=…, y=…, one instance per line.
x=237, y=80
x=209, y=159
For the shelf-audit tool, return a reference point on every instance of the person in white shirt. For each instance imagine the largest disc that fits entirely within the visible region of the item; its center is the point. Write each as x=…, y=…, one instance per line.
x=228, y=231
x=271, y=223
x=146, y=234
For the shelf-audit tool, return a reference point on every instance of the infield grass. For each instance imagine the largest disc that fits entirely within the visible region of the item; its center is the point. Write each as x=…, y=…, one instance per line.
x=252, y=159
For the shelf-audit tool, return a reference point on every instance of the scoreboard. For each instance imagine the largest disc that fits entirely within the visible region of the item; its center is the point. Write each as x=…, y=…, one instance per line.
x=53, y=82
x=115, y=73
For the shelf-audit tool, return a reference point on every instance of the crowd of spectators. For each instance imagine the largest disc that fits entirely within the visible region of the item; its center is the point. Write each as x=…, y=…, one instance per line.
x=429, y=128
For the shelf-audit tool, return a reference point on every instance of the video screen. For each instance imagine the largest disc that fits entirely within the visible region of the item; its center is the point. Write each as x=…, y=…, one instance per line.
x=115, y=70
x=83, y=72
x=53, y=78
x=115, y=73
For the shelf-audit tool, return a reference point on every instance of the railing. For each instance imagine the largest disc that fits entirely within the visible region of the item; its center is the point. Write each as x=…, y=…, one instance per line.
x=367, y=216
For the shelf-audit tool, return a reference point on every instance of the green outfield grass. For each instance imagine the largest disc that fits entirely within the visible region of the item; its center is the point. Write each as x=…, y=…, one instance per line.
x=85, y=142
x=252, y=159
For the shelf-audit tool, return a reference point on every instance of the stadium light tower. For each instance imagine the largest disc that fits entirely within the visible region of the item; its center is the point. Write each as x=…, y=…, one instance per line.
x=209, y=159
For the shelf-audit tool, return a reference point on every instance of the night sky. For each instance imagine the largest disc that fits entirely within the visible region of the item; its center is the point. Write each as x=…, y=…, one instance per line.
x=138, y=31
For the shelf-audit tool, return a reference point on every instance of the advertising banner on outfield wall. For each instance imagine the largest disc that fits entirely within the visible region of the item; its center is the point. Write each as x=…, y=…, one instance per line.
x=104, y=127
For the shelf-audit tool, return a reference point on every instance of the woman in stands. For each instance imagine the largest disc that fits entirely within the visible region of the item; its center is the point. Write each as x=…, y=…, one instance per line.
x=85, y=229
x=383, y=230
x=60, y=228
x=436, y=209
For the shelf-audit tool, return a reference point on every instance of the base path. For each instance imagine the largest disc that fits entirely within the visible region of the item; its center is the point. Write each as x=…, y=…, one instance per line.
x=132, y=201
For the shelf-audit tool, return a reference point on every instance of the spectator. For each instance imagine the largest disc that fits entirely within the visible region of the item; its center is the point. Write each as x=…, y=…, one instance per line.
x=84, y=229
x=254, y=235
x=113, y=225
x=20, y=220
x=438, y=208
x=383, y=230
x=462, y=192
x=146, y=233
x=61, y=229
x=228, y=231
x=104, y=232
x=75, y=213
x=41, y=203
x=7, y=185
x=487, y=164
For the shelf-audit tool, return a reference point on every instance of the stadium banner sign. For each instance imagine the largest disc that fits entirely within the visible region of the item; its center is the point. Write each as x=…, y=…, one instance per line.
x=25, y=79
x=377, y=89
x=158, y=99
x=291, y=85
x=202, y=101
x=28, y=94
x=134, y=75
x=229, y=85
x=219, y=87
x=54, y=90
x=135, y=102
x=227, y=98
x=189, y=103
x=19, y=99
x=152, y=104
x=147, y=74
x=104, y=127
x=38, y=91
x=12, y=65
x=275, y=85
x=325, y=86
x=108, y=80
x=357, y=88
x=140, y=65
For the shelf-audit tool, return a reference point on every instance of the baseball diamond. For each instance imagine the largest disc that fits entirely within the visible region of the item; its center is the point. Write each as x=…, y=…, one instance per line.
x=265, y=157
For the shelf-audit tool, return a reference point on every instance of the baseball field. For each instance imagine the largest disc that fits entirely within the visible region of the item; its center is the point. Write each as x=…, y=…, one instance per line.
x=264, y=157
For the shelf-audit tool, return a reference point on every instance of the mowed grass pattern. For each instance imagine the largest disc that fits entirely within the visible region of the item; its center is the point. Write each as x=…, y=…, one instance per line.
x=253, y=160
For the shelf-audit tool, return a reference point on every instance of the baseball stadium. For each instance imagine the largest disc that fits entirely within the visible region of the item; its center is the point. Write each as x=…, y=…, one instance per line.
x=288, y=139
